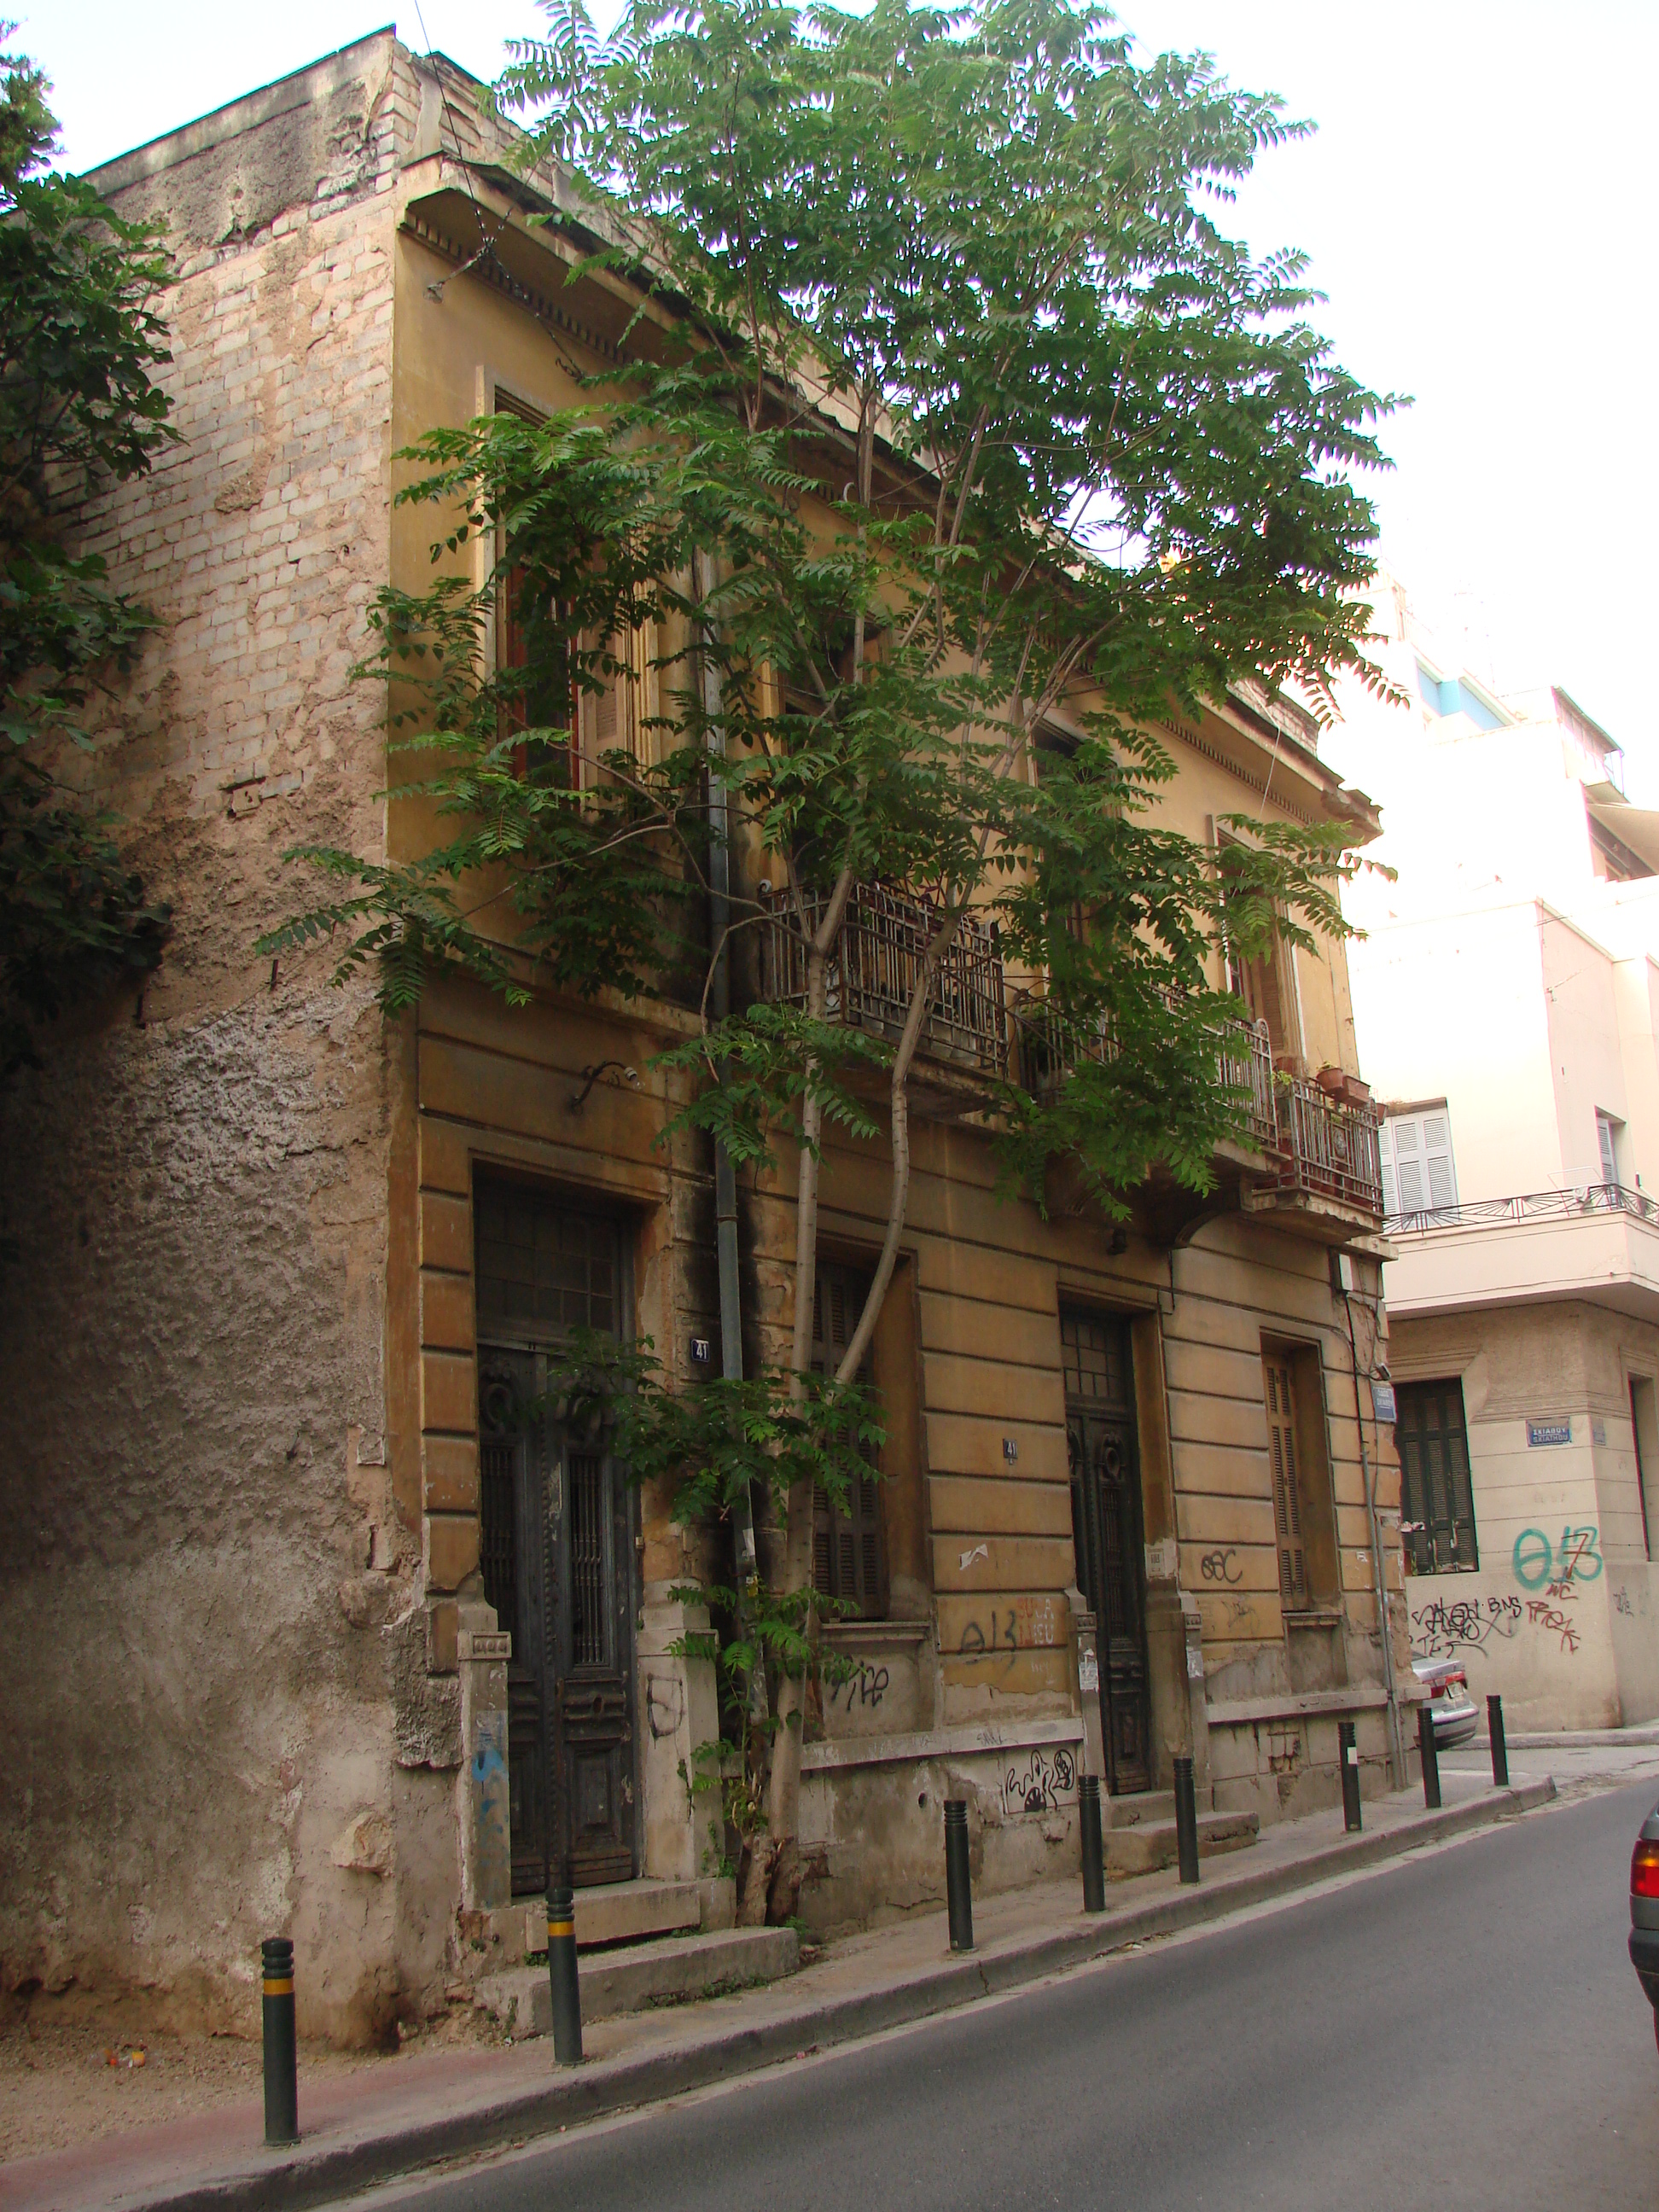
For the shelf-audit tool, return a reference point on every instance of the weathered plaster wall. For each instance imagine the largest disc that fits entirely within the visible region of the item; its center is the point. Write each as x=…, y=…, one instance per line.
x=1559, y=1618
x=214, y=1728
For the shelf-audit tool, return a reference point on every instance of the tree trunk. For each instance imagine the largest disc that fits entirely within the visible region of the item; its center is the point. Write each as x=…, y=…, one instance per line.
x=772, y=1882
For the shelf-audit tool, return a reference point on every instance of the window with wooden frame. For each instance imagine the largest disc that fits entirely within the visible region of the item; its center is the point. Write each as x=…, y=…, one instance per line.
x=1298, y=1459
x=1437, y=1501
x=1266, y=982
x=598, y=721
x=1282, y=1457
x=848, y=1557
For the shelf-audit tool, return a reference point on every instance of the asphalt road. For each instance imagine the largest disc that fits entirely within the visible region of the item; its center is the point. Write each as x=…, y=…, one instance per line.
x=1460, y=2029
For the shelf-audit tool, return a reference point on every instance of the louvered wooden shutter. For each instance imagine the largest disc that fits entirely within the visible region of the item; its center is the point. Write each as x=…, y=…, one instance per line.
x=846, y=1545
x=1287, y=1508
x=1421, y=1176
x=610, y=720
x=547, y=702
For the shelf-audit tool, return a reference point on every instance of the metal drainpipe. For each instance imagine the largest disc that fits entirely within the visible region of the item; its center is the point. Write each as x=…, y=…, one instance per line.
x=726, y=1181
x=1396, y=1747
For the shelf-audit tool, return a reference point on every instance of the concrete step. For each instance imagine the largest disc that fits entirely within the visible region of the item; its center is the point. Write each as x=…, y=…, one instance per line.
x=1139, y=1808
x=621, y=1911
x=1144, y=1846
x=672, y=1970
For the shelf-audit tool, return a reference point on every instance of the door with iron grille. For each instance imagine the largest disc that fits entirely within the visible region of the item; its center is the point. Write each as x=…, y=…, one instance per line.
x=1106, y=1531
x=558, y=1551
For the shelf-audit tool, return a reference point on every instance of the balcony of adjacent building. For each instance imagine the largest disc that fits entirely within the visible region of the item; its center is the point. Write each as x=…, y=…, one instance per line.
x=1598, y=1245
x=1307, y=1153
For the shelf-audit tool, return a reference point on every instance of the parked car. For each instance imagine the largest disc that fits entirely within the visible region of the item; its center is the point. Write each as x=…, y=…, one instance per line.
x=1456, y=1715
x=1644, y=1912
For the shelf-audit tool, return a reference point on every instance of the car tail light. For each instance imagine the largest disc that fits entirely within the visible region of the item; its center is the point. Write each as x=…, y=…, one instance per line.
x=1644, y=1869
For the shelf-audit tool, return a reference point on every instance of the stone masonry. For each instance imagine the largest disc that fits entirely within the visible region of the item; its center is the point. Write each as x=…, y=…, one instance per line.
x=218, y=1720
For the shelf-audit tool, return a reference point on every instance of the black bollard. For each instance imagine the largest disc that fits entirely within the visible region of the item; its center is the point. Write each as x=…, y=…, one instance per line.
x=562, y=1974
x=281, y=2056
x=1431, y=1756
x=1186, y=1819
x=958, y=1886
x=1349, y=1753
x=1094, y=1871
x=1500, y=1750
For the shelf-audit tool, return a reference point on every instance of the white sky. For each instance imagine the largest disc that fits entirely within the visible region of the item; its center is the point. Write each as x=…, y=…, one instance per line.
x=1473, y=203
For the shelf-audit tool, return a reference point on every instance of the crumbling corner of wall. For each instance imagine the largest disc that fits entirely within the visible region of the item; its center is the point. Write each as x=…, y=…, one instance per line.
x=426, y=1709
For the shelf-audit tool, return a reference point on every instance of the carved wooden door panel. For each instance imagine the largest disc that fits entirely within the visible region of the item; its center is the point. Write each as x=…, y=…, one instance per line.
x=557, y=1550
x=1106, y=1527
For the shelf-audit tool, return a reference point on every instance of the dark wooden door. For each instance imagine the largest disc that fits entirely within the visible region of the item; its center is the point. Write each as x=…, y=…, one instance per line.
x=1106, y=1531
x=558, y=1551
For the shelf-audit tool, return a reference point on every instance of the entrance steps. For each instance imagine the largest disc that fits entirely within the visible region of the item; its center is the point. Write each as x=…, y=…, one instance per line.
x=1141, y=1838
x=673, y=1969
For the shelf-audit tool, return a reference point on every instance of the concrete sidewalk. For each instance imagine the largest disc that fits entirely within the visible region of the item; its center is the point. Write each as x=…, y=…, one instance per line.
x=370, y=2127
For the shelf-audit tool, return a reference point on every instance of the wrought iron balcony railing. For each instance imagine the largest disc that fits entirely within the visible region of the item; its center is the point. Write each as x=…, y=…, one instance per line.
x=1051, y=1044
x=875, y=966
x=1328, y=1149
x=1535, y=1205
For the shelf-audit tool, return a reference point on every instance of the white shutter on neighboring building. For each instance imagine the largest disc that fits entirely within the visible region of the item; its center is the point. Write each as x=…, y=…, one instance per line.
x=1604, y=1128
x=1417, y=1174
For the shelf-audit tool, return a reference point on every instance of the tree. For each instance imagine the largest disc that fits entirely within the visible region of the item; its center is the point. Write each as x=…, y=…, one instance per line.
x=80, y=338
x=961, y=447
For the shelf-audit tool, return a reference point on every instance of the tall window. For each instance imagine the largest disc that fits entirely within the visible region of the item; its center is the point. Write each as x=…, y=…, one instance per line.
x=1284, y=1456
x=1418, y=1171
x=1436, y=1500
x=1644, y=1431
x=1266, y=982
x=847, y=1559
x=1609, y=1138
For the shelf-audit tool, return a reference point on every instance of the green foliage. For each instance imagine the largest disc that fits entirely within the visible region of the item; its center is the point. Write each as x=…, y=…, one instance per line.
x=967, y=403
x=80, y=339
x=73, y=918
x=764, y=1067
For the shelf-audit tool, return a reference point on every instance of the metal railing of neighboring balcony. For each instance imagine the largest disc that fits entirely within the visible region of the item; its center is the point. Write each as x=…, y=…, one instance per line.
x=874, y=969
x=1051, y=1044
x=1328, y=1149
x=1535, y=1205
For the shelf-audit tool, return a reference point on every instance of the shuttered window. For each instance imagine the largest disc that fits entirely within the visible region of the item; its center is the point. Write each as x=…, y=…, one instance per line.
x=1437, y=1503
x=847, y=1547
x=1280, y=1395
x=1608, y=1127
x=1418, y=1173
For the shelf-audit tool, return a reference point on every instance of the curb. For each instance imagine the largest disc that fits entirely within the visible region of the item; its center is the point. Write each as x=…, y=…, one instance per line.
x=1641, y=1737
x=613, y=2086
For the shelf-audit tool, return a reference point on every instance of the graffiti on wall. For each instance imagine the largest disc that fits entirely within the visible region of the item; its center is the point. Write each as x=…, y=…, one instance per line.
x=1538, y=1562
x=1452, y=1628
x=1016, y=1625
x=864, y=1688
x=1039, y=1785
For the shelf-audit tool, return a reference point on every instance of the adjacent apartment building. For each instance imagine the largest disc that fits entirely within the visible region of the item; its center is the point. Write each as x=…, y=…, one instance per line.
x=288, y=1609
x=1507, y=990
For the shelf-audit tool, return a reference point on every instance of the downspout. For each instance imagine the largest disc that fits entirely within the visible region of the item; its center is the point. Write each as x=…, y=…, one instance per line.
x=1396, y=1745
x=726, y=1181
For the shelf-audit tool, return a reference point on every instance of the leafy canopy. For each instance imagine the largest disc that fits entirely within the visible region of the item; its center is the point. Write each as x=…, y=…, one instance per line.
x=953, y=446
x=81, y=338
